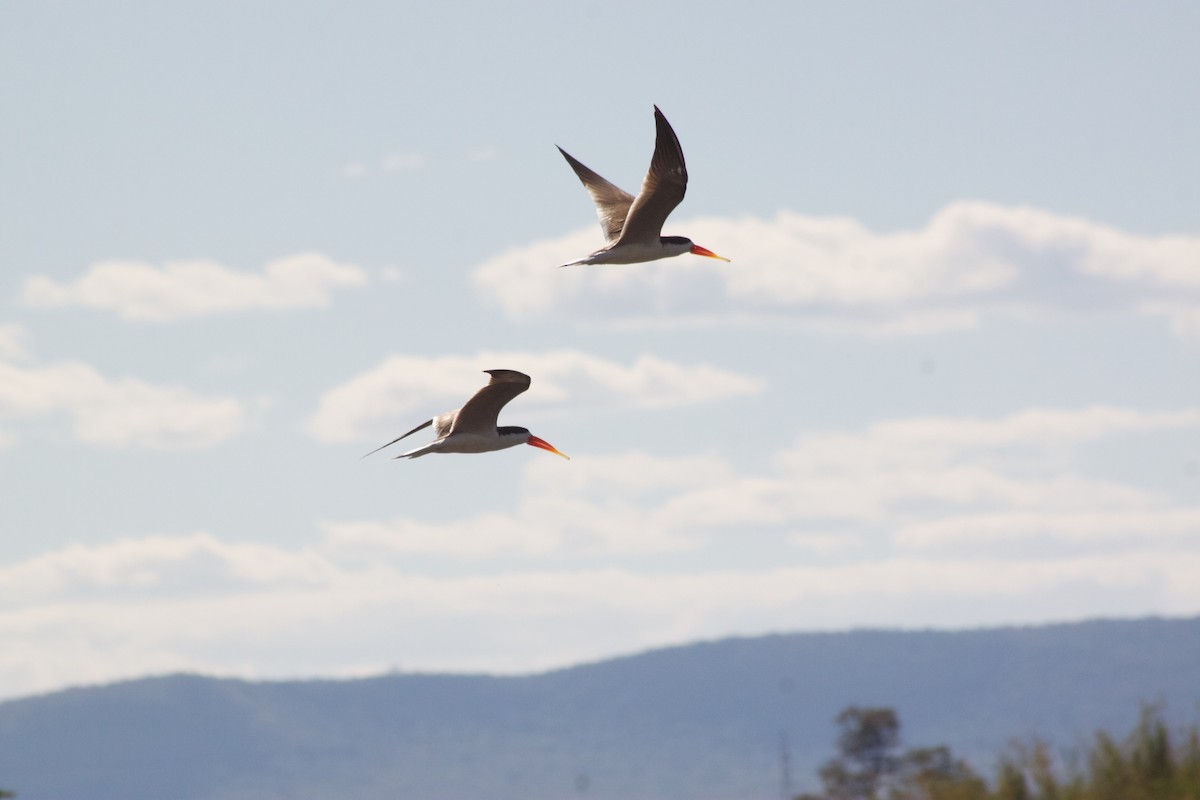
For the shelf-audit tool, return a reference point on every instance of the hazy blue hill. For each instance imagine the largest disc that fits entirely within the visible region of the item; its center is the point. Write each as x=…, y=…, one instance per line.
x=698, y=721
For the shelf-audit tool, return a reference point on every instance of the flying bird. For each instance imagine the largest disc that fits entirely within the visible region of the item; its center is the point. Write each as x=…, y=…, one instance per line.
x=472, y=428
x=633, y=225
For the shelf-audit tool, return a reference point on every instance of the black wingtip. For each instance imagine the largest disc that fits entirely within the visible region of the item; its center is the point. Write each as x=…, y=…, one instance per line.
x=424, y=424
x=377, y=449
x=507, y=376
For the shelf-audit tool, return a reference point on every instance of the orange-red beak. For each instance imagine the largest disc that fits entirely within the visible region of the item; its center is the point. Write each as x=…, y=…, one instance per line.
x=703, y=251
x=542, y=443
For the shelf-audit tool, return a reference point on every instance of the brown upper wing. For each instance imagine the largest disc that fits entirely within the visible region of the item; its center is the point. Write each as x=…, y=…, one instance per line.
x=662, y=190
x=612, y=202
x=481, y=411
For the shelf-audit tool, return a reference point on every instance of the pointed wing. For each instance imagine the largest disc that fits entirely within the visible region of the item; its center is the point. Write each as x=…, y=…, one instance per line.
x=480, y=413
x=441, y=426
x=424, y=424
x=612, y=203
x=662, y=190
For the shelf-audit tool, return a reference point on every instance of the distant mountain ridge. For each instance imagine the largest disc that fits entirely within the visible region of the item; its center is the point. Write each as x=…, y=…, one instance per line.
x=700, y=721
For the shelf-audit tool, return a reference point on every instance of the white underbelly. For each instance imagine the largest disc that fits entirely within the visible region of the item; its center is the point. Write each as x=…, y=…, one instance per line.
x=630, y=254
x=474, y=443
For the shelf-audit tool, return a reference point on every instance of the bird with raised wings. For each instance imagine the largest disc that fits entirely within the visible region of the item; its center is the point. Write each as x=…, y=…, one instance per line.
x=472, y=428
x=633, y=225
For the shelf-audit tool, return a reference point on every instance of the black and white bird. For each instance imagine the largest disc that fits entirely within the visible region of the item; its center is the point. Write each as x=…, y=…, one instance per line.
x=472, y=428
x=633, y=225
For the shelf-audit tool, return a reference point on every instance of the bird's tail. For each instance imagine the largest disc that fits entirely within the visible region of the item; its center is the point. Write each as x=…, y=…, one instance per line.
x=432, y=447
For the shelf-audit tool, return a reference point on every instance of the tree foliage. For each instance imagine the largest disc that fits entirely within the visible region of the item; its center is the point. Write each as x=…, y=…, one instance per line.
x=1150, y=763
x=867, y=744
x=871, y=766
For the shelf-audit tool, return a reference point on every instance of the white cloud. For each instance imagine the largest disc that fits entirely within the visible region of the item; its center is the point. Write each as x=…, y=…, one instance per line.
x=920, y=439
x=116, y=412
x=907, y=482
x=187, y=289
x=1076, y=527
x=603, y=505
x=913, y=470
x=159, y=565
x=288, y=613
x=402, y=385
x=972, y=260
x=919, y=522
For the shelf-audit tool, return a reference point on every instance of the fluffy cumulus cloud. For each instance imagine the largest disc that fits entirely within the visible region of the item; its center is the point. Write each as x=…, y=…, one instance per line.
x=390, y=393
x=324, y=618
x=111, y=412
x=971, y=260
x=915, y=486
x=190, y=564
x=620, y=505
x=934, y=521
x=140, y=291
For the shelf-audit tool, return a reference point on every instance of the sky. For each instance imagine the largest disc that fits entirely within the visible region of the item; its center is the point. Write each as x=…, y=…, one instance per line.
x=948, y=379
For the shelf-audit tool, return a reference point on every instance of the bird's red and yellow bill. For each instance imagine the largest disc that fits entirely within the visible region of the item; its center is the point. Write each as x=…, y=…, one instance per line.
x=542, y=443
x=704, y=251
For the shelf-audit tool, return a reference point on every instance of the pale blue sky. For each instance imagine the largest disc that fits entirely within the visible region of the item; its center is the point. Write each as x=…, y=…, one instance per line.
x=949, y=377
